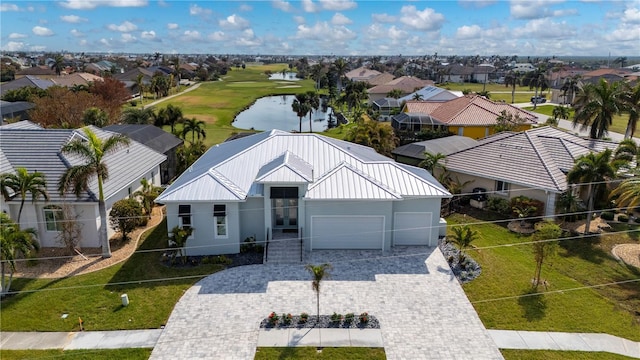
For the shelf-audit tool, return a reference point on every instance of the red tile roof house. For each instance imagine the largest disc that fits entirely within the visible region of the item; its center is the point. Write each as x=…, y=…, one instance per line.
x=406, y=84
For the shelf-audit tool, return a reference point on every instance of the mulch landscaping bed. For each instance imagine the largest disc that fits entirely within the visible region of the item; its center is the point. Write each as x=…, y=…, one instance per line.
x=325, y=322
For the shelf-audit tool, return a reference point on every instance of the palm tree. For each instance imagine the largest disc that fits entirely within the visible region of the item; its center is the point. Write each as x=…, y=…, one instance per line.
x=140, y=86
x=141, y=116
x=317, y=73
x=195, y=127
x=592, y=170
x=627, y=194
x=77, y=178
x=14, y=242
x=23, y=183
x=626, y=152
x=570, y=86
x=394, y=94
x=462, y=237
x=171, y=115
x=313, y=101
x=536, y=80
x=631, y=104
x=596, y=104
x=431, y=161
x=340, y=68
x=620, y=60
x=569, y=203
x=300, y=106
x=560, y=112
x=58, y=64
x=417, y=97
x=147, y=195
x=95, y=116
x=512, y=78
x=318, y=273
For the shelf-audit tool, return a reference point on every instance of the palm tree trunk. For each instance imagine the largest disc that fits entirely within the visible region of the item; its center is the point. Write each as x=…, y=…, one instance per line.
x=318, y=306
x=102, y=233
x=587, y=225
x=513, y=93
x=310, y=126
x=627, y=133
x=20, y=211
x=300, y=125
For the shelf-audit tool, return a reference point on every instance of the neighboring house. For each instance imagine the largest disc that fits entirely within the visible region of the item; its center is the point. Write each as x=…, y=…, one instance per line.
x=381, y=79
x=391, y=106
x=43, y=72
x=75, y=79
x=26, y=81
x=361, y=74
x=523, y=67
x=158, y=140
x=38, y=149
x=472, y=116
x=533, y=163
x=406, y=84
x=413, y=154
x=130, y=78
x=458, y=73
x=331, y=194
x=17, y=110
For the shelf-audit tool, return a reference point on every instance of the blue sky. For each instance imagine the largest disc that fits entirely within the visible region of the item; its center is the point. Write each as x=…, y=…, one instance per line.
x=312, y=27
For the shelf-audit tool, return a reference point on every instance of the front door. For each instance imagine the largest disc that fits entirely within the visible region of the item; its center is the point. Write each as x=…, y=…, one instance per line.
x=285, y=213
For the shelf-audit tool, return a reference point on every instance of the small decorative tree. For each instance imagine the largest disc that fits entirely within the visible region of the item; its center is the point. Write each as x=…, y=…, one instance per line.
x=524, y=212
x=70, y=233
x=147, y=195
x=318, y=273
x=178, y=240
x=125, y=216
x=462, y=237
x=544, y=246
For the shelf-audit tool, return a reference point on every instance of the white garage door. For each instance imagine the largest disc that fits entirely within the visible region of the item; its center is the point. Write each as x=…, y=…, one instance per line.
x=347, y=232
x=411, y=228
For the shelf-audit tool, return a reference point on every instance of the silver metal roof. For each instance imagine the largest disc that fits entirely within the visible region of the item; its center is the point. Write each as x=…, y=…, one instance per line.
x=446, y=145
x=278, y=156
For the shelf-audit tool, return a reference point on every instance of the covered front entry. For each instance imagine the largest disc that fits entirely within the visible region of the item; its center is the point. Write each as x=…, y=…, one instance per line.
x=411, y=228
x=347, y=232
x=284, y=207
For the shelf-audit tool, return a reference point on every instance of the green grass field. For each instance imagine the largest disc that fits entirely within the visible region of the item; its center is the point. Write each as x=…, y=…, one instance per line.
x=501, y=294
x=95, y=297
x=102, y=354
x=619, y=124
x=343, y=353
x=218, y=102
x=559, y=355
x=497, y=92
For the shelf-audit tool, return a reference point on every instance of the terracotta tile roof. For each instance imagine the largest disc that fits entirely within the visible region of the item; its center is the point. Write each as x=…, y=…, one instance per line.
x=426, y=107
x=476, y=110
x=76, y=79
x=406, y=84
x=361, y=73
x=606, y=71
x=380, y=79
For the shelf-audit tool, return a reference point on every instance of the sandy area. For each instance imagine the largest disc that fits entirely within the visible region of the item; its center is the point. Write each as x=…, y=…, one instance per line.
x=629, y=253
x=288, y=87
x=56, y=262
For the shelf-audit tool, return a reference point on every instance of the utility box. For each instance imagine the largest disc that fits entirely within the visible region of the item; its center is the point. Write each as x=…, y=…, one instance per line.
x=125, y=299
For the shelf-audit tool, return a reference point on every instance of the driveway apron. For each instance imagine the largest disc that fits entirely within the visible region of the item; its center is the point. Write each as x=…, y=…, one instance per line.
x=422, y=309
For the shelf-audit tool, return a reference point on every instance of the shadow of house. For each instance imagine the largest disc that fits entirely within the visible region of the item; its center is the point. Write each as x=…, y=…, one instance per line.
x=158, y=140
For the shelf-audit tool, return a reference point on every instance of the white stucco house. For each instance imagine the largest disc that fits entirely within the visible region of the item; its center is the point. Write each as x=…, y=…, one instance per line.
x=26, y=145
x=331, y=193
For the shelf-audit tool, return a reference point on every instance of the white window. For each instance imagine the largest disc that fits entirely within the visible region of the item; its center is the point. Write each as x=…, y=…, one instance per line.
x=184, y=216
x=461, y=131
x=53, y=217
x=153, y=176
x=220, y=220
x=502, y=187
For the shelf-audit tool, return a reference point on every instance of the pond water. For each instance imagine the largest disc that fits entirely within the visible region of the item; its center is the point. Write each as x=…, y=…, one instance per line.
x=274, y=112
x=289, y=76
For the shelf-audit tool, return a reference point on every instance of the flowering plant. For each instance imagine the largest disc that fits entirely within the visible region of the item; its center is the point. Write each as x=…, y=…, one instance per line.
x=364, y=317
x=273, y=318
x=286, y=318
x=303, y=318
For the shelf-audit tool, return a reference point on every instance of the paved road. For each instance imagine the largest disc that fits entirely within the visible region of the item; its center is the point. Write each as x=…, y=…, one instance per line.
x=156, y=102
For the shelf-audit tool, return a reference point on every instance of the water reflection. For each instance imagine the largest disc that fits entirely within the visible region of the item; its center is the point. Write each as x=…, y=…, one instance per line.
x=289, y=76
x=275, y=112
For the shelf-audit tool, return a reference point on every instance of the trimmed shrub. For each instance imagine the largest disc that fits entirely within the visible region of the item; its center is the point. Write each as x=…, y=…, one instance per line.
x=623, y=217
x=607, y=215
x=499, y=205
x=525, y=202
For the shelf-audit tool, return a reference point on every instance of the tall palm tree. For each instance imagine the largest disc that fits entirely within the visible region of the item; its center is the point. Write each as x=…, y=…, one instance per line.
x=318, y=273
x=170, y=115
x=512, y=78
x=596, y=104
x=14, y=242
x=140, y=86
x=137, y=115
x=340, y=68
x=592, y=170
x=23, y=183
x=536, y=80
x=313, y=101
x=195, y=127
x=560, y=112
x=431, y=161
x=95, y=116
x=627, y=194
x=300, y=106
x=58, y=64
x=76, y=178
x=570, y=87
x=631, y=104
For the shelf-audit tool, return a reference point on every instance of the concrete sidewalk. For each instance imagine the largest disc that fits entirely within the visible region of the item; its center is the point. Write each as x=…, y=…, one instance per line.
x=320, y=337
x=79, y=340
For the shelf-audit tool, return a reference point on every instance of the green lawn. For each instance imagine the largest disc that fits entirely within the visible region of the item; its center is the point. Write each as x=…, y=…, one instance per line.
x=619, y=124
x=498, y=294
x=559, y=355
x=496, y=91
x=95, y=297
x=218, y=102
x=102, y=354
x=343, y=353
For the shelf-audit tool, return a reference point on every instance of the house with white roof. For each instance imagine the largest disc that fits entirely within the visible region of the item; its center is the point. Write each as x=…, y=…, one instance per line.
x=330, y=194
x=27, y=145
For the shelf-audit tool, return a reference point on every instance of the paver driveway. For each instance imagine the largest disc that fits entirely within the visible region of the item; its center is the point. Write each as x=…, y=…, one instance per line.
x=423, y=311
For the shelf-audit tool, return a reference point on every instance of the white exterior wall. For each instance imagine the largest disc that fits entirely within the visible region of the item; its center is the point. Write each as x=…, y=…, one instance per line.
x=349, y=208
x=252, y=219
x=422, y=206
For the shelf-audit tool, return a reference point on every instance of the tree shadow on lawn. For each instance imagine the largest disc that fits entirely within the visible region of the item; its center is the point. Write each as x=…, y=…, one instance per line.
x=533, y=304
x=585, y=249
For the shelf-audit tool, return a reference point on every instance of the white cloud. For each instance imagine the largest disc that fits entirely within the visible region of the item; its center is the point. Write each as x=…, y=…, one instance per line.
x=9, y=7
x=281, y=5
x=564, y=12
x=128, y=38
x=13, y=46
x=476, y=3
x=73, y=19
x=196, y=10
x=17, y=36
x=526, y=9
x=544, y=29
x=190, y=35
x=468, y=32
x=76, y=33
x=105, y=42
x=217, y=36
x=624, y=33
x=42, y=31
x=124, y=27
x=83, y=42
x=338, y=5
x=245, y=7
x=383, y=18
x=396, y=34
x=248, y=39
x=299, y=19
x=323, y=31
x=92, y=4
x=425, y=20
x=37, y=48
x=149, y=35
x=309, y=6
x=234, y=22
x=631, y=15
x=339, y=19
x=172, y=26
